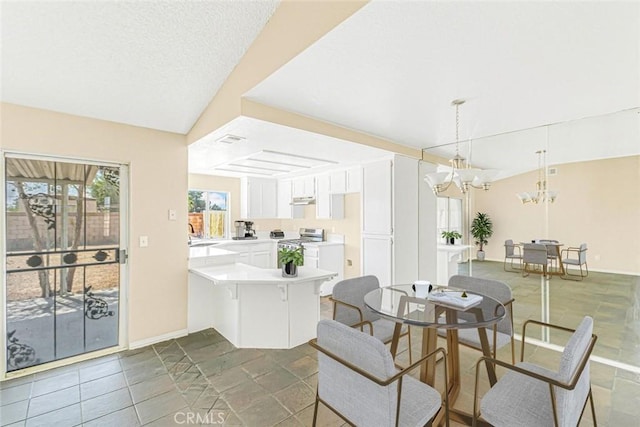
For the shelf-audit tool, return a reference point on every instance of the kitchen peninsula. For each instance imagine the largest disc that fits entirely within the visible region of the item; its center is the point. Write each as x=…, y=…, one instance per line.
x=250, y=306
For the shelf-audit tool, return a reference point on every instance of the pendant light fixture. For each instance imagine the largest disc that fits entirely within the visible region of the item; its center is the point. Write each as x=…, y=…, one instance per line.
x=464, y=176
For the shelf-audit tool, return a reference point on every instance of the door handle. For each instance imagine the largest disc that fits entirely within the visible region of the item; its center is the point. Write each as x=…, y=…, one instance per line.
x=122, y=256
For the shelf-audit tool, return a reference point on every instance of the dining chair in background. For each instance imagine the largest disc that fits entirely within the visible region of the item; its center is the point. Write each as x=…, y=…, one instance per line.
x=349, y=309
x=530, y=395
x=576, y=257
x=512, y=252
x=503, y=330
x=534, y=254
x=357, y=379
x=553, y=254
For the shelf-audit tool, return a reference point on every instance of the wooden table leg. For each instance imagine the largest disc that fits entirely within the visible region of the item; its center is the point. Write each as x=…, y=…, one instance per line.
x=394, y=340
x=428, y=368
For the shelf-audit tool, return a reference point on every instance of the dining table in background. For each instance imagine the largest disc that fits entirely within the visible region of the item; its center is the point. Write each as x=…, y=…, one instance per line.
x=557, y=245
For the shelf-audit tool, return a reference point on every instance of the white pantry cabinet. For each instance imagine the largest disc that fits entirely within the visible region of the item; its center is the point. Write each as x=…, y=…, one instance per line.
x=258, y=198
x=390, y=220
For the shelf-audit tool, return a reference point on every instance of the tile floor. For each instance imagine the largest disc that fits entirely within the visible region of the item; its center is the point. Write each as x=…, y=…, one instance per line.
x=202, y=379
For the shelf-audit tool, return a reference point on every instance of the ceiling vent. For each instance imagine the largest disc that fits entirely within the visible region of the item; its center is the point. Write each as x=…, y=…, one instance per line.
x=230, y=139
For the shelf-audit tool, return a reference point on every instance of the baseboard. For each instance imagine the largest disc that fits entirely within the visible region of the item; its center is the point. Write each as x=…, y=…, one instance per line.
x=154, y=340
x=626, y=273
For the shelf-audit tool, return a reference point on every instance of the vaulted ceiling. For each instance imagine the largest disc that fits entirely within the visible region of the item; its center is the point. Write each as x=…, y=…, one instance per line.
x=564, y=75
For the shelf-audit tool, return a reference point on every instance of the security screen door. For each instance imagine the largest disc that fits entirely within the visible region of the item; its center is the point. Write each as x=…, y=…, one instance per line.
x=62, y=259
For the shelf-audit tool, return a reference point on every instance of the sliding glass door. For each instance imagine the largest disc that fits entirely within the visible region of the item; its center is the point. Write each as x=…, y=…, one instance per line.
x=63, y=259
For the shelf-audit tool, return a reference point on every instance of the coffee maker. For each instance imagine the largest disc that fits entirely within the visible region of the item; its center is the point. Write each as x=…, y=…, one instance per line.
x=239, y=226
x=249, y=232
x=244, y=230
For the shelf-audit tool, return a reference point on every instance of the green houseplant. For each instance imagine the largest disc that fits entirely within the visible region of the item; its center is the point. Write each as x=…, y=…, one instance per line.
x=290, y=259
x=481, y=230
x=451, y=236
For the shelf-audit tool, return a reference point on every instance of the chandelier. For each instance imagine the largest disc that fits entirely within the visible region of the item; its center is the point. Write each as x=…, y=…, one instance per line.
x=464, y=176
x=542, y=193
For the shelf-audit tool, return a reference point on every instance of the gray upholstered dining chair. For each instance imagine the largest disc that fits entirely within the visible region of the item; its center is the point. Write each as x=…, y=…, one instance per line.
x=349, y=309
x=553, y=256
x=534, y=254
x=357, y=379
x=503, y=330
x=530, y=395
x=576, y=257
x=512, y=252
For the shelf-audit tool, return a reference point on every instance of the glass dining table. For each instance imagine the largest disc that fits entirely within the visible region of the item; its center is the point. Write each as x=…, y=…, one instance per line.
x=444, y=308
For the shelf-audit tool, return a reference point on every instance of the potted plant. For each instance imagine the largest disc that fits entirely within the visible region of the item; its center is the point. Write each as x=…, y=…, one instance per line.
x=481, y=230
x=451, y=236
x=290, y=259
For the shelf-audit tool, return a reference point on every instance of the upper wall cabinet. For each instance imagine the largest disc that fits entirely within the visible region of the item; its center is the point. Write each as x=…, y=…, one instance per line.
x=328, y=205
x=285, y=209
x=304, y=187
x=258, y=198
x=346, y=181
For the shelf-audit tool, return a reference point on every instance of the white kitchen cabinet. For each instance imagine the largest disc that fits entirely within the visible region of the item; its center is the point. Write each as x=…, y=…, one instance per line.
x=338, y=182
x=326, y=256
x=354, y=179
x=258, y=198
x=285, y=209
x=304, y=186
x=345, y=181
x=377, y=198
x=377, y=252
x=390, y=220
x=257, y=253
x=328, y=205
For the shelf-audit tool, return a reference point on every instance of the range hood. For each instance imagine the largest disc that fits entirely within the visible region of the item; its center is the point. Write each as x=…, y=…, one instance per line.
x=298, y=201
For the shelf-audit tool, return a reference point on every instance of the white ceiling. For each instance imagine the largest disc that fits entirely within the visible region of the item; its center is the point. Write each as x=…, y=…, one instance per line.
x=152, y=64
x=268, y=149
x=391, y=70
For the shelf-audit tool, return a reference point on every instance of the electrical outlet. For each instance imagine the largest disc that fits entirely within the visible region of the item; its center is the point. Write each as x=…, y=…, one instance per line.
x=144, y=241
x=172, y=214
x=597, y=257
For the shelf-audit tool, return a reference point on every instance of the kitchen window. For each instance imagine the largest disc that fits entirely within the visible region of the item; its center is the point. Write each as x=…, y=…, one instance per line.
x=209, y=214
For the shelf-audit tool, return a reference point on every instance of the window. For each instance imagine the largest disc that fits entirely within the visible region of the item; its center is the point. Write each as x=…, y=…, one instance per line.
x=449, y=216
x=209, y=214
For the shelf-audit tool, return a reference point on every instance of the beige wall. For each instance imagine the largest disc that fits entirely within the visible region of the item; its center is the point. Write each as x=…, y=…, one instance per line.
x=349, y=226
x=598, y=204
x=158, y=182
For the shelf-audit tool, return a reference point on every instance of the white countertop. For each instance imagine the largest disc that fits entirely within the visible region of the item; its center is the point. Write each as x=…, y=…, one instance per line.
x=239, y=273
x=208, y=251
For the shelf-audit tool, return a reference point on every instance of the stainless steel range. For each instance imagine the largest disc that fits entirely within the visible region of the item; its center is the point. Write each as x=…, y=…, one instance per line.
x=306, y=235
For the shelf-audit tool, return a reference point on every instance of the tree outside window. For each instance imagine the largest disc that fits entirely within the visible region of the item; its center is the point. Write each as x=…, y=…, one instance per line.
x=208, y=214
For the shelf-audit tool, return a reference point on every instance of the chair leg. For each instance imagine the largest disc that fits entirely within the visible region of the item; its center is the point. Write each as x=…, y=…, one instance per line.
x=315, y=410
x=409, y=338
x=593, y=408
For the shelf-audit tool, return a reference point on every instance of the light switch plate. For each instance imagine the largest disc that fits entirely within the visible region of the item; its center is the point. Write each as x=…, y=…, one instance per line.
x=144, y=241
x=172, y=214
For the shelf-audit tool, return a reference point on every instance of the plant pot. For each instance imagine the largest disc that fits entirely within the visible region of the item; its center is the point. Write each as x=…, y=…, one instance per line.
x=289, y=269
x=452, y=240
x=480, y=255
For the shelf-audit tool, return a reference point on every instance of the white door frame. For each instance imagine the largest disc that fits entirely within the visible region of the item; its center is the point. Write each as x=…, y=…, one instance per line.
x=123, y=322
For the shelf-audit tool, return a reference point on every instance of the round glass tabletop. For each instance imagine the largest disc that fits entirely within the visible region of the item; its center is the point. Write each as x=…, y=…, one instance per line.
x=444, y=307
